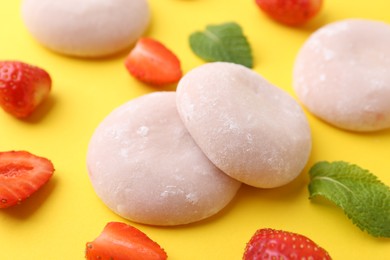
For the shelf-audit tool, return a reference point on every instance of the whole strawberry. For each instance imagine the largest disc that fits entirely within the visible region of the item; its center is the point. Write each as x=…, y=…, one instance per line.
x=277, y=244
x=22, y=87
x=290, y=12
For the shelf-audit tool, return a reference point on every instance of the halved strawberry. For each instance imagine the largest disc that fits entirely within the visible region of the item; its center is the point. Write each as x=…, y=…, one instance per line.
x=21, y=174
x=22, y=87
x=120, y=241
x=290, y=12
x=153, y=63
x=277, y=244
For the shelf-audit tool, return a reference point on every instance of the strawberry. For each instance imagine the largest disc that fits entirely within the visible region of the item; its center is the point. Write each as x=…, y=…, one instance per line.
x=276, y=244
x=22, y=87
x=151, y=62
x=290, y=12
x=120, y=241
x=21, y=174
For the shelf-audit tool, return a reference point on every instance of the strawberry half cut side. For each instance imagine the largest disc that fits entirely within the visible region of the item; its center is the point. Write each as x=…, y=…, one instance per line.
x=153, y=63
x=21, y=175
x=120, y=241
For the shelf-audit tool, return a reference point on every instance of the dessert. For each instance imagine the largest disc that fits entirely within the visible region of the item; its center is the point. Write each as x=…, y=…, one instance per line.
x=250, y=129
x=88, y=28
x=145, y=166
x=342, y=74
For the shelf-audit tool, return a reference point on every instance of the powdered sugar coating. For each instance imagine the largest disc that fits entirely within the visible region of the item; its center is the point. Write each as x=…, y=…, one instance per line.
x=250, y=129
x=342, y=74
x=145, y=166
x=87, y=28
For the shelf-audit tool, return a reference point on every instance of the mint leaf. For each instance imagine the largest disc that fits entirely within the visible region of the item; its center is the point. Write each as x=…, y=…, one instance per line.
x=364, y=199
x=224, y=42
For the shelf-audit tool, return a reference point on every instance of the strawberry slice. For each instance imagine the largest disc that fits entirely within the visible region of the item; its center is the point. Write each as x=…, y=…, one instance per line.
x=21, y=174
x=22, y=87
x=290, y=12
x=151, y=62
x=277, y=244
x=120, y=241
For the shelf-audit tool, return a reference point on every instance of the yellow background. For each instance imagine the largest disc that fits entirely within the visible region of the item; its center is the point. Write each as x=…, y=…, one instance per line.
x=57, y=221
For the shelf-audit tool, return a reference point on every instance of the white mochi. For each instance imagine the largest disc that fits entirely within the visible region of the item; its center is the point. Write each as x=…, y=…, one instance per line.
x=342, y=74
x=145, y=166
x=86, y=28
x=250, y=129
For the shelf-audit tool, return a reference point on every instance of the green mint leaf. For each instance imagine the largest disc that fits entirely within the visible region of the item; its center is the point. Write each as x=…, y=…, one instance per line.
x=225, y=42
x=364, y=199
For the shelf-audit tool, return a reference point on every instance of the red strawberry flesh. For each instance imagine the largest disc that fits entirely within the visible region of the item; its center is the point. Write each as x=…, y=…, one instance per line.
x=22, y=87
x=21, y=175
x=153, y=63
x=120, y=241
x=277, y=244
x=291, y=12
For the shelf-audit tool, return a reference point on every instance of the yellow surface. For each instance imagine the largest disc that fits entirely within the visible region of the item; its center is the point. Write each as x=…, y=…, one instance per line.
x=58, y=220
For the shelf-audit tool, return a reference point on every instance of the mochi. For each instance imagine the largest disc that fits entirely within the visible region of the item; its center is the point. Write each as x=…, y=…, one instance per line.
x=145, y=166
x=87, y=28
x=250, y=129
x=342, y=74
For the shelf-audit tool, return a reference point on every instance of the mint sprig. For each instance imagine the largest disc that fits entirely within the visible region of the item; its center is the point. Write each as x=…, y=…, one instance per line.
x=225, y=42
x=364, y=199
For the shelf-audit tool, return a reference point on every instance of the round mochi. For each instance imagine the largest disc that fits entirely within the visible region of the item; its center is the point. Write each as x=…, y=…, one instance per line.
x=342, y=74
x=145, y=166
x=86, y=28
x=250, y=129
